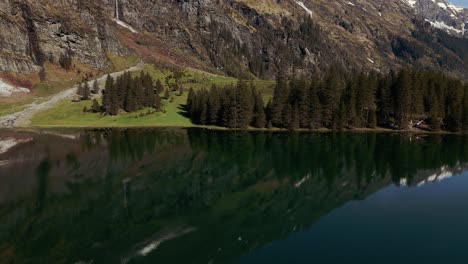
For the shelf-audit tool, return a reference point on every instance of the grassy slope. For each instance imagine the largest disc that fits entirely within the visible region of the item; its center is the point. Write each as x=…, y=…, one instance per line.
x=58, y=80
x=70, y=114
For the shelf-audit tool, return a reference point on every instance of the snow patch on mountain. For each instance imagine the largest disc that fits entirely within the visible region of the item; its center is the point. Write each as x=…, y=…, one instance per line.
x=411, y=3
x=441, y=14
x=6, y=89
x=443, y=26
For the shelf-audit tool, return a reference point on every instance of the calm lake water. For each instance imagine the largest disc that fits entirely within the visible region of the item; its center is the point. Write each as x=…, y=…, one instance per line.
x=200, y=196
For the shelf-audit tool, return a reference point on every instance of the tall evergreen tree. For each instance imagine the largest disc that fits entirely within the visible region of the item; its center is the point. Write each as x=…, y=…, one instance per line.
x=159, y=87
x=80, y=90
x=86, y=91
x=131, y=99
x=214, y=106
x=315, y=110
x=96, y=108
x=342, y=116
x=166, y=94
x=330, y=95
x=244, y=108
x=259, y=112
x=403, y=99
x=465, y=110
x=280, y=98
x=95, y=87
x=294, y=119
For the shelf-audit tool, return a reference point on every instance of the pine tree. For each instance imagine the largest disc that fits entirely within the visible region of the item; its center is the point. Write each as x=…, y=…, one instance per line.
x=131, y=99
x=454, y=106
x=122, y=88
x=286, y=118
x=190, y=99
x=280, y=98
x=86, y=91
x=110, y=100
x=106, y=94
x=465, y=110
x=150, y=97
x=244, y=105
x=417, y=95
x=294, y=119
x=315, y=110
x=435, y=122
x=268, y=110
x=139, y=92
x=330, y=93
x=166, y=94
x=157, y=102
x=80, y=90
x=350, y=101
x=95, y=87
x=361, y=100
x=385, y=101
x=159, y=87
x=259, y=112
x=204, y=113
x=214, y=106
x=269, y=125
x=96, y=107
x=372, y=119
x=304, y=104
x=403, y=99
x=342, y=117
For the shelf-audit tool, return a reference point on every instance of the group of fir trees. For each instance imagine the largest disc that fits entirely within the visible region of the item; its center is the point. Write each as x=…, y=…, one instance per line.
x=84, y=91
x=130, y=94
x=339, y=100
x=367, y=100
x=234, y=106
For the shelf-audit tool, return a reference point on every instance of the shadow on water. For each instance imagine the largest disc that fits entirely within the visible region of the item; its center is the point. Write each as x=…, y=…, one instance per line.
x=143, y=195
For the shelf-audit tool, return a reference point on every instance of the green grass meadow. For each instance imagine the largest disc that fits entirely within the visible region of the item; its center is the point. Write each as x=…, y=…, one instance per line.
x=71, y=114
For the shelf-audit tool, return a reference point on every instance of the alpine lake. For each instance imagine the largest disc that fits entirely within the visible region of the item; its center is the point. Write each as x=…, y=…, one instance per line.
x=205, y=196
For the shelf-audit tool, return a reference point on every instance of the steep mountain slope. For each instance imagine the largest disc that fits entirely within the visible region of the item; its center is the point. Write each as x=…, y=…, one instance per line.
x=237, y=37
x=442, y=14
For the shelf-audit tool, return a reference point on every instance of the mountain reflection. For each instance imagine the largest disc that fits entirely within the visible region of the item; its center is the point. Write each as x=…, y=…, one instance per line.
x=193, y=196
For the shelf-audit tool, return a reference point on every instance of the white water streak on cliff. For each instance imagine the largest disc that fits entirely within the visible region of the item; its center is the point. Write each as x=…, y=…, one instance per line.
x=120, y=22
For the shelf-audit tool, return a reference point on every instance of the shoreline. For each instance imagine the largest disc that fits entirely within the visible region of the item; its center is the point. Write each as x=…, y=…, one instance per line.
x=320, y=130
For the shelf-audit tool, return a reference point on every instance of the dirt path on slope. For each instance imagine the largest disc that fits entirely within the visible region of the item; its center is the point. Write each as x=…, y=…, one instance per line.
x=23, y=118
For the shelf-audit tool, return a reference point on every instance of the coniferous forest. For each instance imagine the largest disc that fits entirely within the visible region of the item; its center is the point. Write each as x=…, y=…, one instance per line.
x=398, y=100
x=130, y=94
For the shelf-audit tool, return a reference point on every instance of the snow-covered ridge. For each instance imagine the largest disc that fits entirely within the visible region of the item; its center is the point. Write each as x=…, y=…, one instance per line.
x=440, y=3
x=441, y=14
x=442, y=25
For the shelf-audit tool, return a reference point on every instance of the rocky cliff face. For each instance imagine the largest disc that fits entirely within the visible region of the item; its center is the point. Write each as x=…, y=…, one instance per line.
x=32, y=32
x=238, y=37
